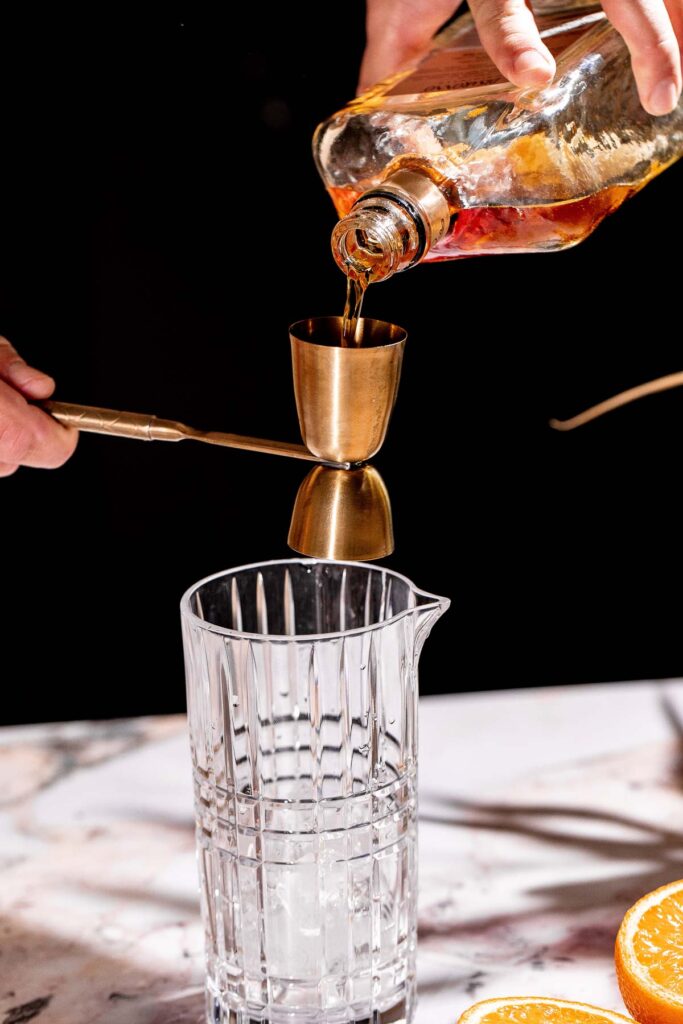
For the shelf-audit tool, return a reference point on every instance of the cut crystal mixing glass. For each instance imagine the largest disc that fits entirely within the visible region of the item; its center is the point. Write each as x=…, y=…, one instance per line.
x=302, y=702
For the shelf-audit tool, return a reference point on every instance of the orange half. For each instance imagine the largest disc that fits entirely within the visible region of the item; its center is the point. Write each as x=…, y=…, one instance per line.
x=538, y=1010
x=649, y=956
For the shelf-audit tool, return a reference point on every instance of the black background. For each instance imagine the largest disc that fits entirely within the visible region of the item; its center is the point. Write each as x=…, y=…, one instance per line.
x=143, y=156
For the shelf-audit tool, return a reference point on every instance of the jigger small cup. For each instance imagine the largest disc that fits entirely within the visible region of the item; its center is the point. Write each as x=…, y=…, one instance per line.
x=343, y=515
x=345, y=395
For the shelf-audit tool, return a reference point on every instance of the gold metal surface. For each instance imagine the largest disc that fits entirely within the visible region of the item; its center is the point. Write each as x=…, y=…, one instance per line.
x=418, y=189
x=342, y=514
x=345, y=396
x=150, y=428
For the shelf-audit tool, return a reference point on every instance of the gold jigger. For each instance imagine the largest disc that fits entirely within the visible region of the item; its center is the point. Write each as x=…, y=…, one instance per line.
x=342, y=514
x=345, y=395
x=344, y=398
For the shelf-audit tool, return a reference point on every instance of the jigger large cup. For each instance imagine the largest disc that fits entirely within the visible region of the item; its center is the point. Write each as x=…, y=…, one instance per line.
x=344, y=398
x=345, y=394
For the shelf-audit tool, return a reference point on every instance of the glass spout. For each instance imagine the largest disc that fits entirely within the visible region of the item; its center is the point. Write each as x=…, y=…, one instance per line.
x=428, y=609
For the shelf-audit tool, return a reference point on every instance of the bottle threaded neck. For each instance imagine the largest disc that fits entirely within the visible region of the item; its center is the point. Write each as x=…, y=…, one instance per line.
x=375, y=240
x=390, y=227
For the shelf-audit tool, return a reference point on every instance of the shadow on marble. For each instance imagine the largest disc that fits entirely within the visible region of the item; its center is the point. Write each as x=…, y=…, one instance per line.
x=579, y=943
x=175, y=822
x=657, y=857
x=47, y=979
x=32, y=765
x=508, y=809
x=52, y=980
x=674, y=718
x=511, y=817
x=187, y=907
x=647, y=840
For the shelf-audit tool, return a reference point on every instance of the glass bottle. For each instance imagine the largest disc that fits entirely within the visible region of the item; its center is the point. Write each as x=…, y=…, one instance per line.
x=446, y=159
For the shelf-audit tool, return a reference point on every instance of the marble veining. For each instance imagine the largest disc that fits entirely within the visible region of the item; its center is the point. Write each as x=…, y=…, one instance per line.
x=543, y=815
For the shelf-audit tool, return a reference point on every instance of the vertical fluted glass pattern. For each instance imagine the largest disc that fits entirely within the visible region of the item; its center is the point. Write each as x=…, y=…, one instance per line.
x=302, y=706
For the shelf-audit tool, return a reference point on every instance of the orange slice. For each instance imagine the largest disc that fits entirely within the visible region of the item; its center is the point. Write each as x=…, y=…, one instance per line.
x=649, y=957
x=538, y=1010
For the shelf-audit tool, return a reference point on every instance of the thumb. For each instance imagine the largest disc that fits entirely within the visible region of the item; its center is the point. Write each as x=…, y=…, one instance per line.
x=13, y=370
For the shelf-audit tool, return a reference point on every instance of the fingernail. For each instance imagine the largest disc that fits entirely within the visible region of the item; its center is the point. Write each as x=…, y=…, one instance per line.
x=534, y=67
x=664, y=97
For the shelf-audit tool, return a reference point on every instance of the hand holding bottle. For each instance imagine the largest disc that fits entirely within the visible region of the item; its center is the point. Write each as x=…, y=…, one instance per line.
x=399, y=30
x=28, y=436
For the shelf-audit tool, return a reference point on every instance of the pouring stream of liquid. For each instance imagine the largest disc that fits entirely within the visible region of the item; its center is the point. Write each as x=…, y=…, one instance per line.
x=355, y=292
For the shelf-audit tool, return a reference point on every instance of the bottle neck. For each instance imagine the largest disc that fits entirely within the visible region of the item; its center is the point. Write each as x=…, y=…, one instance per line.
x=391, y=227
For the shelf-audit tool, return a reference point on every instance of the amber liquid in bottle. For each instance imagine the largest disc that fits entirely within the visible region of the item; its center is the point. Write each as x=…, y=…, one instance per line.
x=487, y=230
x=508, y=229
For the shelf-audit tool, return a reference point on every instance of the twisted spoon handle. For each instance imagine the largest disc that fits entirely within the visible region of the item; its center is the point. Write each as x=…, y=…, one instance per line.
x=113, y=421
x=150, y=428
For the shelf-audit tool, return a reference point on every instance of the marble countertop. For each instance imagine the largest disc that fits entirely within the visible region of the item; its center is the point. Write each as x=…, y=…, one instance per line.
x=544, y=814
